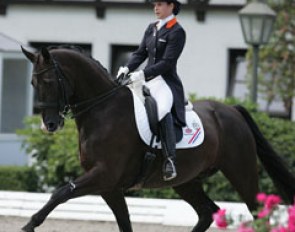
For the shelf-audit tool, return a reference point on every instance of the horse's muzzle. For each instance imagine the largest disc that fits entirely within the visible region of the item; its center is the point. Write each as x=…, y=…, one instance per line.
x=52, y=126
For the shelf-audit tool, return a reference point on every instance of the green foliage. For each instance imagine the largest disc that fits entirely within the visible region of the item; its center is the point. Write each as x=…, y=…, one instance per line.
x=55, y=155
x=277, y=58
x=281, y=135
x=18, y=178
x=56, y=158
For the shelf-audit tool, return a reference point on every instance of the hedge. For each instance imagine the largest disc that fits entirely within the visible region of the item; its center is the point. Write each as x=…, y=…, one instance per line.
x=57, y=155
x=18, y=178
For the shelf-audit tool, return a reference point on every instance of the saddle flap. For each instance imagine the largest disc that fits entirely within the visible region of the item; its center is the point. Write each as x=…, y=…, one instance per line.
x=193, y=133
x=151, y=109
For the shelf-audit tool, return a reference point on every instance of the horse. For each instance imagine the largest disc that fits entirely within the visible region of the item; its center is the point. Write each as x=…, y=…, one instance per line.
x=111, y=151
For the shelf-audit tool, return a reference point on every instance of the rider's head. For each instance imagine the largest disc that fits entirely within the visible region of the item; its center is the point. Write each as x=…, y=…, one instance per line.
x=164, y=8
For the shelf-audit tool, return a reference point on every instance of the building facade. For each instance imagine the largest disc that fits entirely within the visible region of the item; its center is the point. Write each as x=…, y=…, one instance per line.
x=212, y=63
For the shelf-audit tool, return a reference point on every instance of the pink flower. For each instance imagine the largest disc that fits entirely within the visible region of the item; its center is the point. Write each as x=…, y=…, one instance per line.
x=291, y=211
x=272, y=201
x=263, y=213
x=291, y=218
x=279, y=229
x=220, y=218
x=291, y=226
x=244, y=228
x=261, y=197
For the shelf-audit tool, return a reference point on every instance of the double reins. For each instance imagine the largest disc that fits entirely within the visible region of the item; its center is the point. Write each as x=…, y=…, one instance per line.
x=63, y=104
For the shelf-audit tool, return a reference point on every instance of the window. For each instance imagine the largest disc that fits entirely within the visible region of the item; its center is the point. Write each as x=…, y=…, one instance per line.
x=238, y=85
x=15, y=94
x=120, y=56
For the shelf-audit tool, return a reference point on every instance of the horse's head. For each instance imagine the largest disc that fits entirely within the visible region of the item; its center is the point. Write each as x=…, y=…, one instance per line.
x=48, y=81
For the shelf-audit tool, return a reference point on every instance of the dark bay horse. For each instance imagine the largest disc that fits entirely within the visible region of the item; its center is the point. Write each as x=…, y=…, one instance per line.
x=112, y=153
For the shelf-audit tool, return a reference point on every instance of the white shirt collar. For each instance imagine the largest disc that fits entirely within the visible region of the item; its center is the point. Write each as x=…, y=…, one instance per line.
x=162, y=22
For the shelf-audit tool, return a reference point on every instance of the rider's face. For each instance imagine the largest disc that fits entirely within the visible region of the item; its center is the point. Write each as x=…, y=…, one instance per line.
x=163, y=9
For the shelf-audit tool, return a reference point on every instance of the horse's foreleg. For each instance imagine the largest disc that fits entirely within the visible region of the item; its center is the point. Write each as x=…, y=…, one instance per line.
x=58, y=197
x=117, y=203
x=193, y=194
x=83, y=185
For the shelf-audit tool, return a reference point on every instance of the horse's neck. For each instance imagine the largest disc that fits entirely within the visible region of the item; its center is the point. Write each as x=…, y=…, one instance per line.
x=106, y=116
x=91, y=83
x=88, y=80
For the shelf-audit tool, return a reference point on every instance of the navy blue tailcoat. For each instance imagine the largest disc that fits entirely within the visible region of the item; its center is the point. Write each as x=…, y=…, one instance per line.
x=163, y=48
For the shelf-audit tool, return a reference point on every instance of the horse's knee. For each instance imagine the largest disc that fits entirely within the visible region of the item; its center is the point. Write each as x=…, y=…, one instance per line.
x=63, y=194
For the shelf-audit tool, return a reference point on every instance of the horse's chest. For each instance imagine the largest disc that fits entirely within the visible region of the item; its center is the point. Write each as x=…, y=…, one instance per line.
x=86, y=160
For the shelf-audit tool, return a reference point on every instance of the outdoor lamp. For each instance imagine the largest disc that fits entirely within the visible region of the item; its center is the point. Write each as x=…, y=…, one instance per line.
x=257, y=21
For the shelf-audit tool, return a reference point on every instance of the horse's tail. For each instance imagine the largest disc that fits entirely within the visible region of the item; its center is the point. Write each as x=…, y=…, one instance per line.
x=276, y=168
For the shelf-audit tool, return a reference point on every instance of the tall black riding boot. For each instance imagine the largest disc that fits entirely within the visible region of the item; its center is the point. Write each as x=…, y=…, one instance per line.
x=168, y=140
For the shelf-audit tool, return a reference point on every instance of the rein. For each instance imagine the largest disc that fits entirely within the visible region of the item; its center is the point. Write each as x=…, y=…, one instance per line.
x=93, y=101
x=63, y=104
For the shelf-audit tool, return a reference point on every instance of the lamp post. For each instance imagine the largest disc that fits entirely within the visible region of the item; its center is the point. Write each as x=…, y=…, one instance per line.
x=257, y=21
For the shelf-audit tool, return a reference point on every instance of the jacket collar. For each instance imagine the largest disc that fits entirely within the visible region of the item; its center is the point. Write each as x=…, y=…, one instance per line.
x=168, y=22
x=171, y=23
x=163, y=22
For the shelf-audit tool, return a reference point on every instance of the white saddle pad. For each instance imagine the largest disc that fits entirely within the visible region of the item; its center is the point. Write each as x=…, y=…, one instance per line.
x=193, y=132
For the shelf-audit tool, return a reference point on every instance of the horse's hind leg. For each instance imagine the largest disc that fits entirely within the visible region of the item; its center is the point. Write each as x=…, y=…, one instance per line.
x=239, y=166
x=244, y=178
x=117, y=203
x=82, y=186
x=194, y=194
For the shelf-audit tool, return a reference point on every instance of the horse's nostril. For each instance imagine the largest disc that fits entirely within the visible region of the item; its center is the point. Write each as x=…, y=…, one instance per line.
x=51, y=126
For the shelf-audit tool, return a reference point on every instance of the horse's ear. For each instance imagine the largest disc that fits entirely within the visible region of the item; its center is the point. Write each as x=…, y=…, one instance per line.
x=31, y=56
x=46, y=55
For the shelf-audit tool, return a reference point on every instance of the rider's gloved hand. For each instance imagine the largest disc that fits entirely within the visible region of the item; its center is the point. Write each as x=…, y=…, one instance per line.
x=137, y=76
x=123, y=70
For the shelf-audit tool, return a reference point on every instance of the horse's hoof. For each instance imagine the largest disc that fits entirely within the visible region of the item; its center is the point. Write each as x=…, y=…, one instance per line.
x=27, y=228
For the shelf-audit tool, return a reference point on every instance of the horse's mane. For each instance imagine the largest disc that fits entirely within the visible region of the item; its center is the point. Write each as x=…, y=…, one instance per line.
x=80, y=50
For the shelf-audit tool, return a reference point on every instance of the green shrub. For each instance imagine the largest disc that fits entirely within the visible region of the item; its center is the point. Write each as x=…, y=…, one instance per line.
x=280, y=133
x=56, y=155
x=17, y=178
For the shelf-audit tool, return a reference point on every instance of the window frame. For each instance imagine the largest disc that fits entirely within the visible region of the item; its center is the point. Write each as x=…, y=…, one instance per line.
x=232, y=55
x=29, y=90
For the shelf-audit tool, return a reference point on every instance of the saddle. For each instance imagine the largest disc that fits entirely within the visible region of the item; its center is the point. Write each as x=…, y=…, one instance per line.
x=152, y=114
x=146, y=117
x=145, y=108
x=151, y=110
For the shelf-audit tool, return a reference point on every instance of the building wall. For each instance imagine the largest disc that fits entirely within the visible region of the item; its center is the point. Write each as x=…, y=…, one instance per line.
x=203, y=64
x=11, y=152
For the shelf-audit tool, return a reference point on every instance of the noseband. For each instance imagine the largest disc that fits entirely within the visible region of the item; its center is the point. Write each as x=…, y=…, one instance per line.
x=63, y=104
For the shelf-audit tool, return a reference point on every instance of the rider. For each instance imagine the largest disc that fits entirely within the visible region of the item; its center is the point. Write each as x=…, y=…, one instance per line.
x=162, y=44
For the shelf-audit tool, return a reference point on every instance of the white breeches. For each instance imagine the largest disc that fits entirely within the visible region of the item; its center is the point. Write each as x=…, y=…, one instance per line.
x=162, y=94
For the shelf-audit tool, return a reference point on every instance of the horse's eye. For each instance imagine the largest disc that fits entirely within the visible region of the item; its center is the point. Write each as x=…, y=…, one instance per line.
x=48, y=80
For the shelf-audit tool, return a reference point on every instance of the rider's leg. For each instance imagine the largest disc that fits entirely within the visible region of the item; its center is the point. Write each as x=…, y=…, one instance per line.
x=167, y=135
x=164, y=98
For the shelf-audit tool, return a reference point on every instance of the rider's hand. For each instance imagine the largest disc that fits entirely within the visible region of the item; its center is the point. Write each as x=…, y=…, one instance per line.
x=137, y=76
x=123, y=70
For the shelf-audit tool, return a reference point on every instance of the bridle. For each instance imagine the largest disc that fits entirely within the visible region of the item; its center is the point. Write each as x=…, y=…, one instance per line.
x=63, y=104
